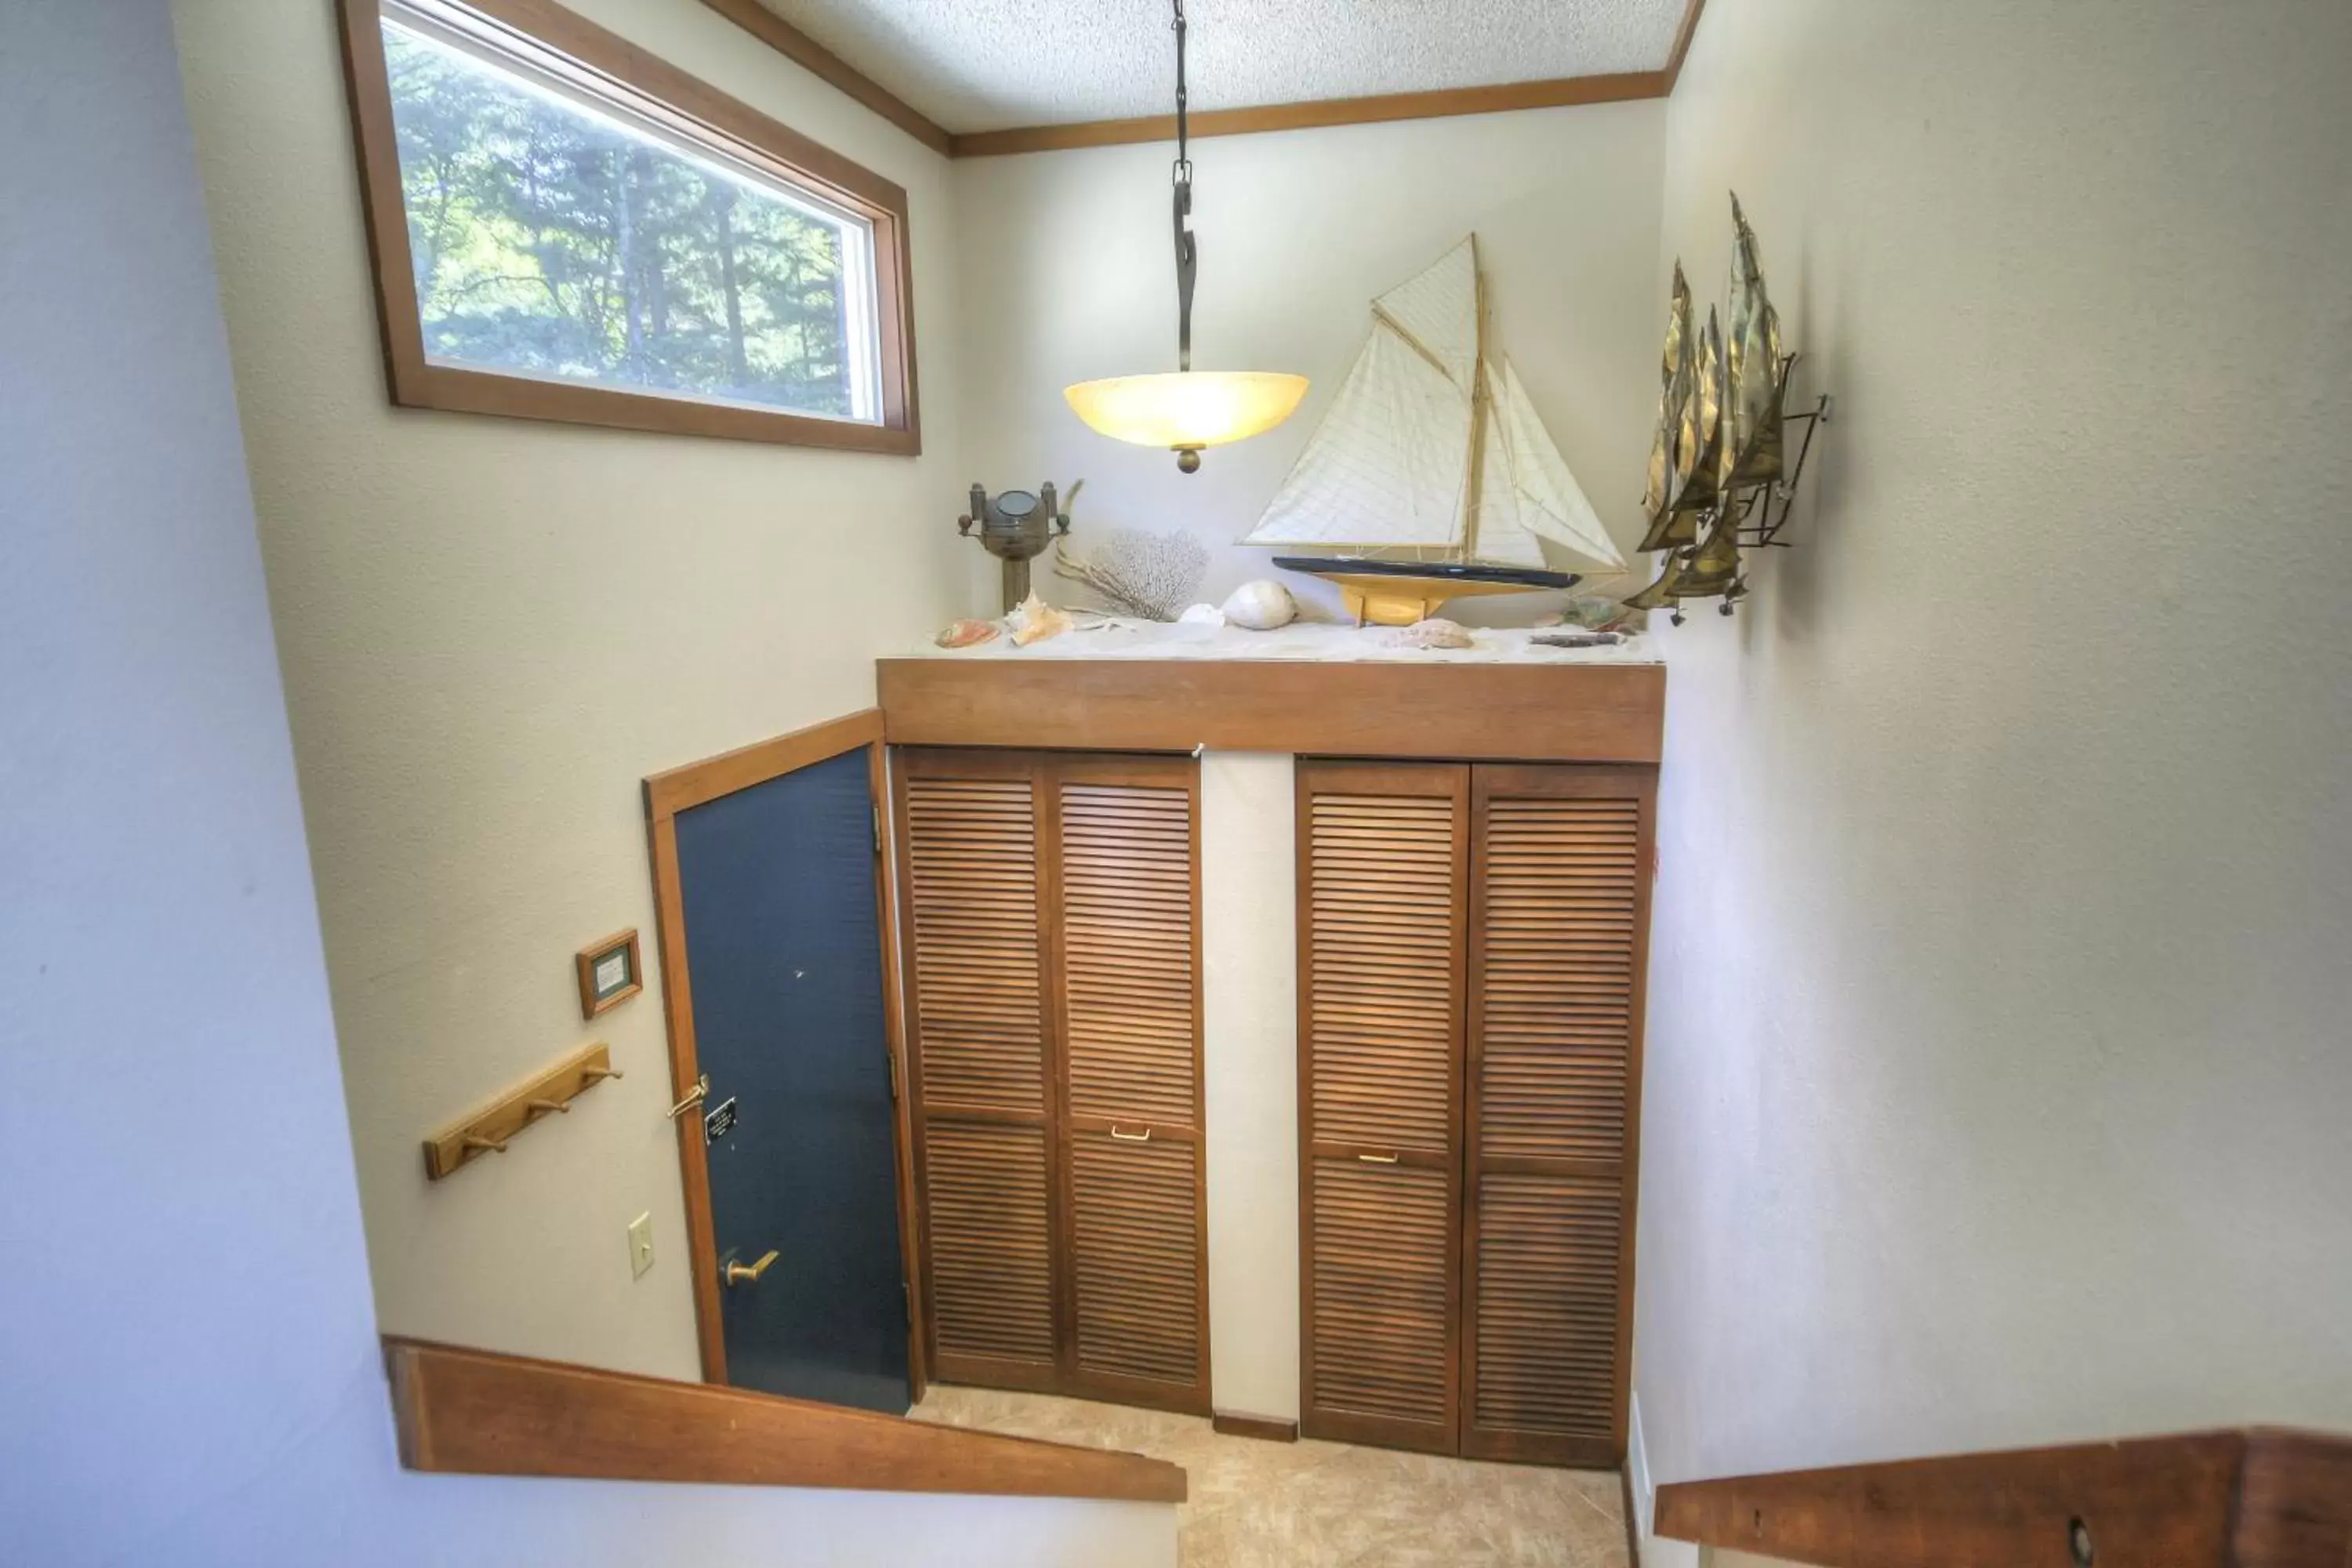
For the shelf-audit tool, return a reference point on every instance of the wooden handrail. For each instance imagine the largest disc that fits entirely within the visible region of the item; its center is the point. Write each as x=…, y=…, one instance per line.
x=478, y=1412
x=2253, y=1498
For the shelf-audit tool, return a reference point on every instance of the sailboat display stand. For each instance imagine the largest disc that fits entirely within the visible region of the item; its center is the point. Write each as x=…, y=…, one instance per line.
x=1760, y=525
x=1432, y=468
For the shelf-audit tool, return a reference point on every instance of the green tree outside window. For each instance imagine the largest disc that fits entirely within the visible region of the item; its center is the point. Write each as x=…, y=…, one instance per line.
x=550, y=240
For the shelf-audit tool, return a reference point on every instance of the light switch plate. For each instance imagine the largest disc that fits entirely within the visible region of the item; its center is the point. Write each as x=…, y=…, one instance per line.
x=641, y=1246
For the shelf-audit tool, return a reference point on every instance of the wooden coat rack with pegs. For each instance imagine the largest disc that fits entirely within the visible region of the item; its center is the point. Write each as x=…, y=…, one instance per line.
x=489, y=1129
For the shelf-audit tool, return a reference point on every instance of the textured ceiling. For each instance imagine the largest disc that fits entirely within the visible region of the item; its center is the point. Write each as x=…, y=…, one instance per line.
x=984, y=65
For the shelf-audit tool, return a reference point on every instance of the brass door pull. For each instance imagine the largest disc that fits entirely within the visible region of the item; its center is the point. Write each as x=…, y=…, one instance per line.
x=694, y=1097
x=749, y=1274
x=1378, y=1159
x=1142, y=1137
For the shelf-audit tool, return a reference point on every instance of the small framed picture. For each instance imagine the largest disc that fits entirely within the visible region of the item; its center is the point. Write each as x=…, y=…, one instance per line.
x=609, y=975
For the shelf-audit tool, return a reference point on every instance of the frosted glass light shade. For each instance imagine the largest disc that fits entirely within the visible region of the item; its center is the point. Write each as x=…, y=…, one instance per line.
x=1188, y=409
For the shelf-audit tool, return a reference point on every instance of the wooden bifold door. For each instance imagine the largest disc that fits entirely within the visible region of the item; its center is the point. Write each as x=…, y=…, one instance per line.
x=1472, y=946
x=1052, y=933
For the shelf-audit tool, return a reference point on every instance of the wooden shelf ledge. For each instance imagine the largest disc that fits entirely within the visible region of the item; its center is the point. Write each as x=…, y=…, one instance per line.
x=469, y=1412
x=1523, y=712
x=2251, y=1498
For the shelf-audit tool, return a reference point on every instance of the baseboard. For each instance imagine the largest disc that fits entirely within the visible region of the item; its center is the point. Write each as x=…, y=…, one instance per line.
x=1641, y=1494
x=1644, y=1545
x=1264, y=1427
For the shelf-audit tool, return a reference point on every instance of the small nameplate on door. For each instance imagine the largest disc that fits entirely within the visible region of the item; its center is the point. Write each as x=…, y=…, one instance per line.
x=719, y=1120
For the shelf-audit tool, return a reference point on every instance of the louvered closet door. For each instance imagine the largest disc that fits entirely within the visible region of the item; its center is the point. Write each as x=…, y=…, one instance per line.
x=1382, y=861
x=981, y=1065
x=1560, y=913
x=1127, y=869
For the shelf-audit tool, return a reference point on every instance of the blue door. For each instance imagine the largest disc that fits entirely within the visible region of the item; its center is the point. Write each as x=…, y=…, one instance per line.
x=784, y=960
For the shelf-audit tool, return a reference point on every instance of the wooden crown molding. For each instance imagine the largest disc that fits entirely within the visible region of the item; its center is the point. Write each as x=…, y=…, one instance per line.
x=1318, y=113
x=822, y=63
x=478, y=1412
x=1554, y=93
x=1683, y=35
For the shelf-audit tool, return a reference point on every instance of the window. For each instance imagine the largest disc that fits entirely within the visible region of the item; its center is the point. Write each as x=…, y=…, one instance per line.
x=565, y=228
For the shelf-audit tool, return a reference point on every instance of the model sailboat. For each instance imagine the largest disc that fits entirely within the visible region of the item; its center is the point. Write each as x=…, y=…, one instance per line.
x=1432, y=468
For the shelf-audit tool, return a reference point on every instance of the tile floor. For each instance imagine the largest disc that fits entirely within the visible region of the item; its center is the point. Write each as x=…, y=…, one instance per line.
x=1257, y=1504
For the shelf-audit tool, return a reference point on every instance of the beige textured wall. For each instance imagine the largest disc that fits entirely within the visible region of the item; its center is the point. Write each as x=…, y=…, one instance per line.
x=191, y=1374
x=1070, y=277
x=492, y=630
x=1249, y=941
x=1997, y=1063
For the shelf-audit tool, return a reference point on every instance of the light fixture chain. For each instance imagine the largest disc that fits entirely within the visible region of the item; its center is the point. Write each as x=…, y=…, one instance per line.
x=1187, y=254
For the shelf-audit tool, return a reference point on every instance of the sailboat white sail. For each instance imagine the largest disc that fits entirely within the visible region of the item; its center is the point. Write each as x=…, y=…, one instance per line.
x=1432, y=450
x=1527, y=492
x=1389, y=463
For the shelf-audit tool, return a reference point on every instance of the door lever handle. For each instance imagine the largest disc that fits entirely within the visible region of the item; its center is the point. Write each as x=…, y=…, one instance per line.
x=694, y=1097
x=749, y=1274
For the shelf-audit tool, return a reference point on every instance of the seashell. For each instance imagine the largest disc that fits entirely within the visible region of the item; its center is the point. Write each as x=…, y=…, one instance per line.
x=1202, y=616
x=1544, y=623
x=965, y=633
x=1432, y=633
x=1033, y=620
x=1260, y=606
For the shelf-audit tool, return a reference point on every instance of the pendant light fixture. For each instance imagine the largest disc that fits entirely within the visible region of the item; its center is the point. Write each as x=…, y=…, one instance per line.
x=1189, y=409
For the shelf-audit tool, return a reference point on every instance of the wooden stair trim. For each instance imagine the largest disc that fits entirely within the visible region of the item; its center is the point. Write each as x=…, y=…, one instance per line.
x=2245, y=1498
x=471, y=1411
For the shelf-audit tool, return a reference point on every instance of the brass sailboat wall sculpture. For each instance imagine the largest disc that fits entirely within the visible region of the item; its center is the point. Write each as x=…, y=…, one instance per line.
x=1720, y=440
x=1752, y=369
x=1432, y=466
x=1676, y=369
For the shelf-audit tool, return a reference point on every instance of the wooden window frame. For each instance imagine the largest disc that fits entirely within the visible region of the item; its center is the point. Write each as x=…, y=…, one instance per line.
x=693, y=108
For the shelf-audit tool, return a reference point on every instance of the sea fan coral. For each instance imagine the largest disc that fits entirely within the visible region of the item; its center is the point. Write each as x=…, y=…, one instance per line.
x=1150, y=575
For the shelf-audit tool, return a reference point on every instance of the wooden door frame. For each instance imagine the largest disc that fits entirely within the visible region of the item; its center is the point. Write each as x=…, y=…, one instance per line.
x=1558, y=780
x=697, y=783
x=1309, y=773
